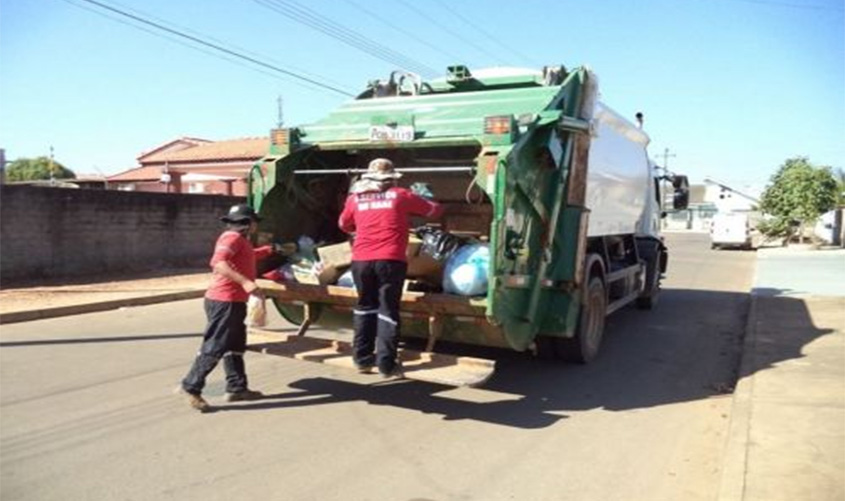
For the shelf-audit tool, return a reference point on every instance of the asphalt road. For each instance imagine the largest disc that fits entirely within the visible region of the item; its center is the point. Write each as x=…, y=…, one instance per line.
x=88, y=412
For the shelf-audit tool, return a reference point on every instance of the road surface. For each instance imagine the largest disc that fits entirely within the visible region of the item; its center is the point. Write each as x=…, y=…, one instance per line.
x=88, y=411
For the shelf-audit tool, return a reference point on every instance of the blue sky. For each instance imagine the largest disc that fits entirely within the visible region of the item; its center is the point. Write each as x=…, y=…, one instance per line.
x=731, y=87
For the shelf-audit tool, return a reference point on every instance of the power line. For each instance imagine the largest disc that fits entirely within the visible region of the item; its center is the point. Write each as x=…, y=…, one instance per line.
x=452, y=57
x=455, y=34
x=215, y=46
x=310, y=18
x=232, y=46
x=208, y=52
x=481, y=30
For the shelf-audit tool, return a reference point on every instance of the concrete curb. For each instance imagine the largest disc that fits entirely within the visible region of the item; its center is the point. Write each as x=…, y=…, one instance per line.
x=735, y=463
x=62, y=311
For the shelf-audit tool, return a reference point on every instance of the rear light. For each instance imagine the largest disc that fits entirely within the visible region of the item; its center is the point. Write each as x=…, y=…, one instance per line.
x=283, y=141
x=500, y=124
x=280, y=137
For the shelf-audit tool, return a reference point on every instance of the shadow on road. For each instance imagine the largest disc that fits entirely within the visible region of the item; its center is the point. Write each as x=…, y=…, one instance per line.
x=413, y=395
x=688, y=348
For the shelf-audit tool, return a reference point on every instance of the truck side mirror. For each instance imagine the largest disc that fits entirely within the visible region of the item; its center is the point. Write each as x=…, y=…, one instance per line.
x=680, y=199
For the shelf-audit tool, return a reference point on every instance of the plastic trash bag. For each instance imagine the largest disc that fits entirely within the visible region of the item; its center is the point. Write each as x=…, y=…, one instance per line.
x=466, y=271
x=306, y=272
x=256, y=312
x=305, y=248
x=346, y=280
x=423, y=190
x=438, y=243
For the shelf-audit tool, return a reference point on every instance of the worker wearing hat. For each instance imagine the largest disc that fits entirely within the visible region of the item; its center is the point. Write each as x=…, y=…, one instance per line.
x=378, y=212
x=233, y=280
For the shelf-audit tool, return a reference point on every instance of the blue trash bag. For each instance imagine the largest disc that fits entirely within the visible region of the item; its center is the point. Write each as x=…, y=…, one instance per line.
x=346, y=280
x=465, y=273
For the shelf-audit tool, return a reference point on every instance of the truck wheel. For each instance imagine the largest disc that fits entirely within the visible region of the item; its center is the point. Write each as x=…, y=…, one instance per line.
x=584, y=346
x=296, y=314
x=648, y=298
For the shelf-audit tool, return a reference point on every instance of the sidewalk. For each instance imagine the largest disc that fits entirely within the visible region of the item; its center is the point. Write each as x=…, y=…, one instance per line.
x=787, y=434
x=23, y=304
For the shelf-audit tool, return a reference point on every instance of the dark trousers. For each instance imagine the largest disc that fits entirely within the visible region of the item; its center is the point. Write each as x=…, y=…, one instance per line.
x=376, y=321
x=225, y=337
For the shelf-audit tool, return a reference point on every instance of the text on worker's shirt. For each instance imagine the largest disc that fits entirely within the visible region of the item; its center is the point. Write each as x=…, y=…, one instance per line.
x=381, y=200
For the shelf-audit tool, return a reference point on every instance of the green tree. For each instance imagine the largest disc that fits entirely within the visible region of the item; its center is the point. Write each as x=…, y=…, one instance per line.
x=31, y=169
x=799, y=191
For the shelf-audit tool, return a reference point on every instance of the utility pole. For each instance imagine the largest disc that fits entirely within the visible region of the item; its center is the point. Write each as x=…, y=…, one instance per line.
x=666, y=157
x=2, y=166
x=280, y=120
x=52, y=176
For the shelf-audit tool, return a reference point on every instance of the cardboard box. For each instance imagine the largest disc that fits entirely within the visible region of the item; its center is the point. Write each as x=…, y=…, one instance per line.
x=422, y=266
x=335, y=255
x=329, y=275
x=317, y=275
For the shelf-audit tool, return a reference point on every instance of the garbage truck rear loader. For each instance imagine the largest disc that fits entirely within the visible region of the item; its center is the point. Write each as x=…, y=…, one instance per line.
x=558, y=186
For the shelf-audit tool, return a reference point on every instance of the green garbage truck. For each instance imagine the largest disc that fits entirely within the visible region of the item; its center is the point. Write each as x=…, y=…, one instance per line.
x=530, y=163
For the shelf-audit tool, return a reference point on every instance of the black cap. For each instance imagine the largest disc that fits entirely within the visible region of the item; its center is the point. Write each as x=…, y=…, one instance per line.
x=239, y=214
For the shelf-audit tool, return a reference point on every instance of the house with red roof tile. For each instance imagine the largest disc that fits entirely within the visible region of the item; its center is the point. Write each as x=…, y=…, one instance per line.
x=193, y=165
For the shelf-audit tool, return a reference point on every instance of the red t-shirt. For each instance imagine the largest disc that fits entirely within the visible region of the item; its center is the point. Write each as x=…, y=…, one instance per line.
x=235, y=249
x=380, y=222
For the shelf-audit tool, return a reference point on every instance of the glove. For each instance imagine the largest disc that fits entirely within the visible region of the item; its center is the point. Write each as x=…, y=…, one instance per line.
x=288, y=249
x=423, y=190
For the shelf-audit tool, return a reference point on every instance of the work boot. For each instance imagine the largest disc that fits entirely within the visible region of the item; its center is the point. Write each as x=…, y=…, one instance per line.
x=395, y=372
x=244, y=396
x=197, y=402
x=364, y=368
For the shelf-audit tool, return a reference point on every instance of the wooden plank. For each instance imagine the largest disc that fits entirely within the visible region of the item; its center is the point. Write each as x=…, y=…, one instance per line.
x=436, y=368
x=417, y=302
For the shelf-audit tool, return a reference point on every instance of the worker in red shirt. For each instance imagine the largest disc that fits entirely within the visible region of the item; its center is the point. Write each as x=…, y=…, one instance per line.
x=378, y=211
x=233, y=280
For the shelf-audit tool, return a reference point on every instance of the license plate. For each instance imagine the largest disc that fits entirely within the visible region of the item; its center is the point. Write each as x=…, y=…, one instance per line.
x=388, y=133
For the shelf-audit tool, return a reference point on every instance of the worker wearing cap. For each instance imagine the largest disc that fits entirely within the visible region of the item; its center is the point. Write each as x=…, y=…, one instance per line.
x=378, y=212
x=233, y=280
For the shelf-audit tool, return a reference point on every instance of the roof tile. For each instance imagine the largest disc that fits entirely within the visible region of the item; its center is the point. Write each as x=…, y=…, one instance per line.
x=250, y=149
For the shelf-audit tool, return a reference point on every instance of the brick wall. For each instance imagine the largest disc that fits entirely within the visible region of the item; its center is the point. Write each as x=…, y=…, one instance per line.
x=60, y=232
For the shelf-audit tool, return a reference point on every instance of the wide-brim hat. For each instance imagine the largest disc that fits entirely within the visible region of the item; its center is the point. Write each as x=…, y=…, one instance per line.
x=240, y=214
x=381, y=169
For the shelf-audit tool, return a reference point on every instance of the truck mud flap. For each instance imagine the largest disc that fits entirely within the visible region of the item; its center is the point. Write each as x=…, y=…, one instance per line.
x=429, y=367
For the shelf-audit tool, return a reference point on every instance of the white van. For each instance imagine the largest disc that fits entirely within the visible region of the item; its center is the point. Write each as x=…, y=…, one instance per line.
x=730, y=229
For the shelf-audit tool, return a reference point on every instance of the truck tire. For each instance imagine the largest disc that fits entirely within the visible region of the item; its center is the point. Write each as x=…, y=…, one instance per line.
x=584, y=346
x=648, y=298
x=296, y=314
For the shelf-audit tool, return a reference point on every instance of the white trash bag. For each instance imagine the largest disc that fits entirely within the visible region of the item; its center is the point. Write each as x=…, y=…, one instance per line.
x=256, y=312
